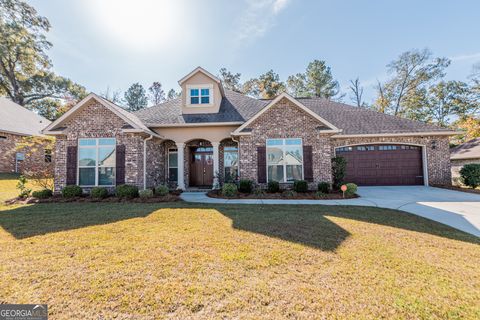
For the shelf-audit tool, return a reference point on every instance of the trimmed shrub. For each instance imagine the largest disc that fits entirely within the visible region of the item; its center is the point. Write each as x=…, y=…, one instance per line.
x=127, y=191
x=72, y=191
x=258, y=191
x=339, y=166
x=273, y=186
x=324, y=187
x=470, y=174
x=147, y=193
x=320, y=195
x=162, y=191
x=300, y=186
x=229, y=190
x=245, y=186
x=351, y=189
x=42, y=194
x=289, y=194
x=99, y=193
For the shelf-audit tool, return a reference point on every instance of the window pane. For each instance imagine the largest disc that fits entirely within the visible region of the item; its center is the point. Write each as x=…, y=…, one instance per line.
x=106, y=156
x=293, y=155
x=193, y=92
x=106, y=141
x=294, y=172
x=87, y=157
x=205, y=100
x=86, y=176
x=205, y=92
x=293, y=141
x=275, y=173
x=106, y=176
x=274, y=142
x=274, y=155
x=230, y=158
x=194, y=100
x=87, y=142
x=173, y=174
x=173, y=160
x=231, y=174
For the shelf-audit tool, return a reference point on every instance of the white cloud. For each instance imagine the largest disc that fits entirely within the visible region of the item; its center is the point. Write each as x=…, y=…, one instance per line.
x=258, y=18
x=465, y=57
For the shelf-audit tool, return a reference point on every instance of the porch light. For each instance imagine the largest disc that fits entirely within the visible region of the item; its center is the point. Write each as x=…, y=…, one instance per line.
x=434, y=144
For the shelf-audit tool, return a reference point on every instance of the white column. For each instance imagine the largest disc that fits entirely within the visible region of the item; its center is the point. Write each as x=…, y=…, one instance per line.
x=181, y=165
x=216, y=164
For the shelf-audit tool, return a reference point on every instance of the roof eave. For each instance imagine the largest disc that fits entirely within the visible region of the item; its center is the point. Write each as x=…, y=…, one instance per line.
x=403, y=134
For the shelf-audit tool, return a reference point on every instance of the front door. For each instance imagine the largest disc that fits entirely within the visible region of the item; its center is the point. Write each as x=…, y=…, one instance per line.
x=201, y=167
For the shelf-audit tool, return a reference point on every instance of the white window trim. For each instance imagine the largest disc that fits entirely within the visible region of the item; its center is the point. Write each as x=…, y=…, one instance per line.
x=97, y=166
x=200, y=87
x=171, y=150
x=284, y=165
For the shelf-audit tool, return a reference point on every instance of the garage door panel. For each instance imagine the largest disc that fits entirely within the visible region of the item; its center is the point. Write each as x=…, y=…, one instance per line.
x=384, y=165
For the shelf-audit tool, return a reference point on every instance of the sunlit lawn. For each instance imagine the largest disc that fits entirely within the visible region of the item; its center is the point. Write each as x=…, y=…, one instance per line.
x=180, y=260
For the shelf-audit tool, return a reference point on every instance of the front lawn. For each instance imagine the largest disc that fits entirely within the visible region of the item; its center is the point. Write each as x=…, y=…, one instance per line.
x=182, y=260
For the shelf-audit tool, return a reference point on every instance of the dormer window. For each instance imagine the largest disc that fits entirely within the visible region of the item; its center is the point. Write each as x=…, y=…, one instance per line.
x=200, y=95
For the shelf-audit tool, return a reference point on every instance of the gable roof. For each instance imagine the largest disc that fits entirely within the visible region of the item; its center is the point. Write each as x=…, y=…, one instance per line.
x=467, y=150
x=19, y=120
x=332, y=128
x=132, y=120
x=196, y=70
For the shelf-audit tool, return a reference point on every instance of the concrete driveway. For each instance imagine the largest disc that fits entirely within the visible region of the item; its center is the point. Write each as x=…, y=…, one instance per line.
x=460, y=210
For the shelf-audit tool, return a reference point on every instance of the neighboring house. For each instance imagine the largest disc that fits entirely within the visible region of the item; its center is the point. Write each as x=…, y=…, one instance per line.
x=468, y=152
x=16, y=123
x=211, y=134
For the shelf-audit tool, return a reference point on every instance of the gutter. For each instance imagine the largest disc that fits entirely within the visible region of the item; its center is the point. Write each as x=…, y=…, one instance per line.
x=145, y=161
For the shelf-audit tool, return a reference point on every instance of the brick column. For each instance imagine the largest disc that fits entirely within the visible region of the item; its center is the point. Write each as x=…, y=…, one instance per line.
x=216, y=164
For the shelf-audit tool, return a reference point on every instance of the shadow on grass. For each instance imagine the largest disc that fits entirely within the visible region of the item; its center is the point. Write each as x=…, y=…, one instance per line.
x=308, y=225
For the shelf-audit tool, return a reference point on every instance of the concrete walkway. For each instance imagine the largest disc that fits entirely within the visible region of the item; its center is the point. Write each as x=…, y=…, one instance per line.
x=460, y=210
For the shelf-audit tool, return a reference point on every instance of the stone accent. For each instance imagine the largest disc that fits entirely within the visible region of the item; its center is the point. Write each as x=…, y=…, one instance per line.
x=457, y=165
x=34, y=155
x=156, y=163
x=286, y=120
x=438, y=157
x=95, y=121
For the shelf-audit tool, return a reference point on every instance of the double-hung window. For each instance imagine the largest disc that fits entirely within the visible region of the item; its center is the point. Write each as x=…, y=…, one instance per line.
x=200, y=95
x=96, y=162
x=284, y=160
x=230, y=163
x=172, y=165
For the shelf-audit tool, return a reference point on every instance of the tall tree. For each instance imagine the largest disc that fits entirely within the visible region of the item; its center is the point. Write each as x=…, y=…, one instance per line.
x=357, y=92
x=317, y=81
x=267, y=86
x=135, y=97
x=410, y=73
x=230, y=81
x=172, y=94
x=156, y=93
x=25, y=69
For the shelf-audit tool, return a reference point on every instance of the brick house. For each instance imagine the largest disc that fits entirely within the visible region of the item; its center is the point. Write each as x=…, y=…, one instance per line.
x=16, y=124
x=210, y=135
x=466, y=153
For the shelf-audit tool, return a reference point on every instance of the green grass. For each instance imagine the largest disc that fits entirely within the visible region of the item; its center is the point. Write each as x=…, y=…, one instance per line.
x=181, y=260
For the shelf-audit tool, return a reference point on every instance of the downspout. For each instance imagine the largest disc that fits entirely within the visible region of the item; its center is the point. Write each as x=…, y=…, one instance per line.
x=145, y=161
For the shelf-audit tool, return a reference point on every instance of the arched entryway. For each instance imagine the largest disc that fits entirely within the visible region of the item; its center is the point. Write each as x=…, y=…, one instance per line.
x=200, y=164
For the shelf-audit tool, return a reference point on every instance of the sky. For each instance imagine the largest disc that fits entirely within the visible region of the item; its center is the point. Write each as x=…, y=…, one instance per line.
x=113, y=43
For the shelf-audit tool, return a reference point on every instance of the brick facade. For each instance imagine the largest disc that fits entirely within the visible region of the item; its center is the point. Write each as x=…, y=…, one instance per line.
x=35, y=159
x=96, y=121
x=286, y=120
x=437, y=150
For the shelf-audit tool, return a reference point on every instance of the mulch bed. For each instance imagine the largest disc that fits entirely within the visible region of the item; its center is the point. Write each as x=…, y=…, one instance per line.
x=311, y=195
x=172, y=197
x=467, y=190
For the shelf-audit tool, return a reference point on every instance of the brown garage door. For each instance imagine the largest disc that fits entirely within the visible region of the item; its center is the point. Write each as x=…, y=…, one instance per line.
x=383, y=165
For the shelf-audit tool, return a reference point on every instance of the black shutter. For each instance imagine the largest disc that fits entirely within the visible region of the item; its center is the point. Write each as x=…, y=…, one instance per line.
x=71, y=165
x=262, y=164
x=120, y=165
x=307, y=163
